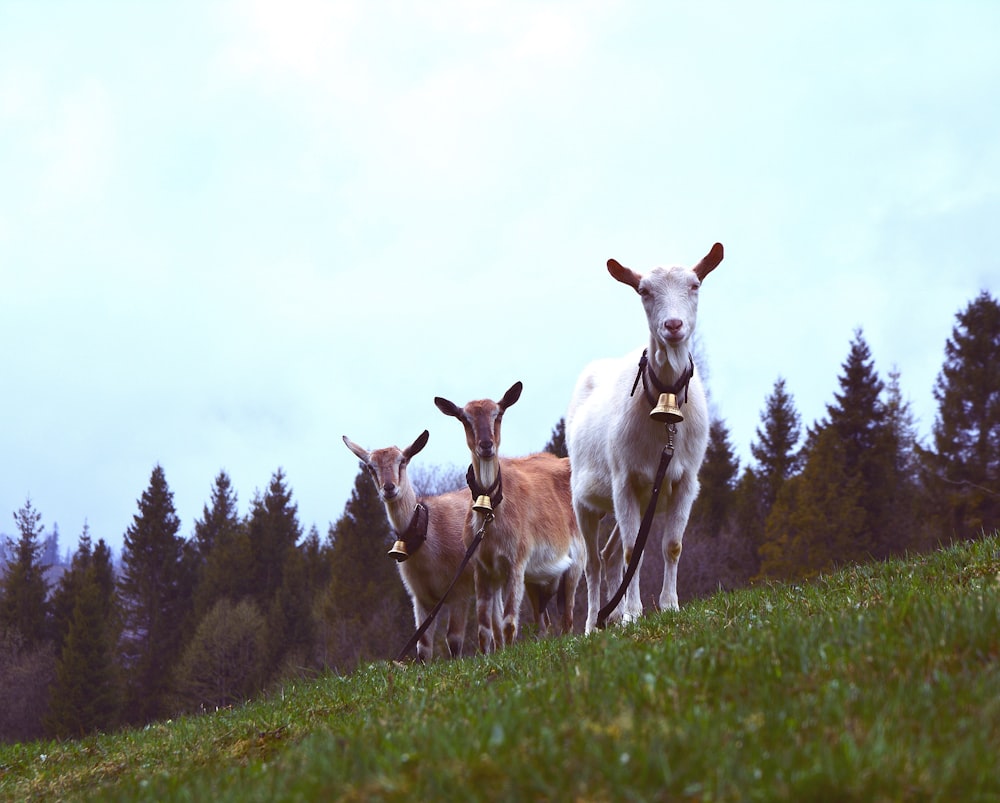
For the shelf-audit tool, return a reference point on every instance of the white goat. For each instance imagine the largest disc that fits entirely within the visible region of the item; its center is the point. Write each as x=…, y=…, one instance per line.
x=433, y=529
x=615, y=447
x=533, y=543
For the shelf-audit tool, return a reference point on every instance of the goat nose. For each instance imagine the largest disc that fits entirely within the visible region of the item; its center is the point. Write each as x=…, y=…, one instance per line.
x=485, y=448
x=389, y=488
x=673, y=324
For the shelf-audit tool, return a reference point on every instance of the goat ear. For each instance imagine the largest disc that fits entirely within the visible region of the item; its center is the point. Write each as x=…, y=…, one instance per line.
x=709, y=262
x=362, y=454
x=448, y=407
x=417, y=445
x=511, y=396
x=623, y=274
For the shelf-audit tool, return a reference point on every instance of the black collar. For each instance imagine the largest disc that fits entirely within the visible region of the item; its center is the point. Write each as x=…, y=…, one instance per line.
x=416, y=531
x=494, y=492
x=676, y=388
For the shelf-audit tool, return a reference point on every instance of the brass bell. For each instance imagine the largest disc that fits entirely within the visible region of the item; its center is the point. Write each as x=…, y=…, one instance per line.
x=399, y=552
x=666, y=410
x=483, y=505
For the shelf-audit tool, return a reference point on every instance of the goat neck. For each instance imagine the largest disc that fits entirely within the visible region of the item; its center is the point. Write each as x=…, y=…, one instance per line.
x=669, y=367
x=399, y=509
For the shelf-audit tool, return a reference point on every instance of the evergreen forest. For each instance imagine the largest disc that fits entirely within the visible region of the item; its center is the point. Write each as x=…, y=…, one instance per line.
x=249, y=599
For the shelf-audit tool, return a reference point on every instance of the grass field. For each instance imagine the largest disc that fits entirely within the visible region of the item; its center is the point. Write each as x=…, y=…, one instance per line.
x=880, y=682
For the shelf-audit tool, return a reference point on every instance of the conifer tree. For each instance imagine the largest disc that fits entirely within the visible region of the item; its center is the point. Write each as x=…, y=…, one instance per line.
x=557, y=441
x=23, y=588
x=858, y=418
x=273, y=529
x=775, y=448
x=366, y=605
x=153, y=609
x=290, y=620
x=220, y=520
x=228, y=571
x=64, y=597
x=717, y=476
x=964, y=464
x=840, y=508
x=86, y=695
x=777, y=459
x=817, y=521
x=212, y=576
x=909, y=510
x=858, y=414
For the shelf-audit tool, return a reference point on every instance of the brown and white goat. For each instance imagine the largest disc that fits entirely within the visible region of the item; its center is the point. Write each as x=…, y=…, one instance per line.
x=533, y=543
x=434, y=531
x=615, y=446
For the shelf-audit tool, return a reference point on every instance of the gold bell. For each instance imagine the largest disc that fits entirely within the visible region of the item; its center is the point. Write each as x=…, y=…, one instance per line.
x=666, y=410
x=399, y=552
x=483, y=505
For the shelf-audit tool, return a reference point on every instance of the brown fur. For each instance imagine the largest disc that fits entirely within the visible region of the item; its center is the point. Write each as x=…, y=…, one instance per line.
x=533, y=544
x=427, y=573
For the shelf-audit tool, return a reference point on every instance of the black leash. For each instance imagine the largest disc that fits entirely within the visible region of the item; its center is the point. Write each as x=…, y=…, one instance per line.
x=640, y=540
x=405, y=652
x=665, y=457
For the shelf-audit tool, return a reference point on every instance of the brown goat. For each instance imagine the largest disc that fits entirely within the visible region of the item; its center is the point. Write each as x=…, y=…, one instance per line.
x=434, y=538
x=533, y=541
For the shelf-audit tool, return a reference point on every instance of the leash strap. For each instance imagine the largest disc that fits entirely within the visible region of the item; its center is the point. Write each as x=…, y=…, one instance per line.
x=640, y=540
x=405, y=652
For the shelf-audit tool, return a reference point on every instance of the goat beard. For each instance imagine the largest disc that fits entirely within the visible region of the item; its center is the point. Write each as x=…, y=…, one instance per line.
x=488, y=470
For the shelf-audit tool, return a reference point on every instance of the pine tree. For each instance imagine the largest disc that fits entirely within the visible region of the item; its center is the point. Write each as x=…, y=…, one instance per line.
x=64, y=597
x=366, y=606
x=841, y=507
x=228, y=572
x=557, y=441
x=273, y=529
x=220, y=552
x=776, y=461
x=908, y=508
x=774, y=450
x=964, y=465
x=717, y=477
x=86, y=695
x=24, y=589
x=817, y=520
x=221, y=520
x=858, y=419
x=857, y=416
x=152, y=608
x=291, y=628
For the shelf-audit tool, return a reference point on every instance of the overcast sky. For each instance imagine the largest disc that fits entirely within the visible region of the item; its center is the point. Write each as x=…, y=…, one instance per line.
x=232, y=232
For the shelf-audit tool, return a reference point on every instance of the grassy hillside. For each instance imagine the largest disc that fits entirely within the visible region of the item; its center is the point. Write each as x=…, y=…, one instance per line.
x=881, y=682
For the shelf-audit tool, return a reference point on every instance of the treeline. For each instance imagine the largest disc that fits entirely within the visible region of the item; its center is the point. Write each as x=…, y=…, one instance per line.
x=858, y=484
x=189, y=624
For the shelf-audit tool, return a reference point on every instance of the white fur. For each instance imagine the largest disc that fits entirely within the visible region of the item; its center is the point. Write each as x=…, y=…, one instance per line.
x=614, y=446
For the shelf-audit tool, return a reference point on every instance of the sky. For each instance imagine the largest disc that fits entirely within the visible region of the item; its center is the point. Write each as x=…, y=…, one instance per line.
x=232, y=232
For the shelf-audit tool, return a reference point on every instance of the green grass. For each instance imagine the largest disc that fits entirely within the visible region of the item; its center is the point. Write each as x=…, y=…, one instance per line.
x=881, y=682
